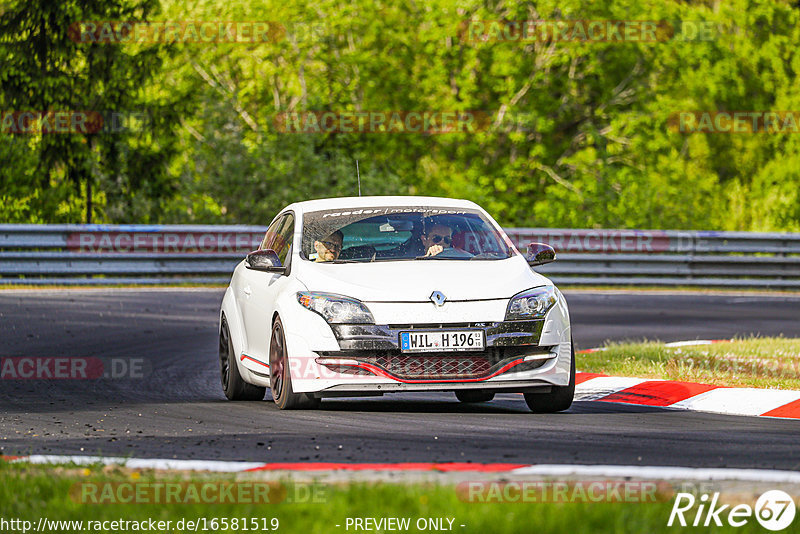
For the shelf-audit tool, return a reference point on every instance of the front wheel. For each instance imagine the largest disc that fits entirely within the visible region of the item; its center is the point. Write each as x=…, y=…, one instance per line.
x=559, y=398
x=280, y=376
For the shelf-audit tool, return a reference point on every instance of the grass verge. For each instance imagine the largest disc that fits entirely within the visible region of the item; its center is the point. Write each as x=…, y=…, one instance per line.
x=759, y=362
x=30, y=493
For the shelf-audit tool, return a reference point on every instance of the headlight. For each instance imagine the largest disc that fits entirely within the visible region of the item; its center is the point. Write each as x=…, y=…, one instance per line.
x=531, y=304
x=336, y=308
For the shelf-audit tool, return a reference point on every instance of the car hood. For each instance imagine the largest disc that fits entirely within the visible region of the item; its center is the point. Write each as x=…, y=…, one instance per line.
x=414, y=281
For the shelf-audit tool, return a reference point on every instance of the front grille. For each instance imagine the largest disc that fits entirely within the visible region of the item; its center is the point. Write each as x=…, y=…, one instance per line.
x=442, y=365
x=431, y=366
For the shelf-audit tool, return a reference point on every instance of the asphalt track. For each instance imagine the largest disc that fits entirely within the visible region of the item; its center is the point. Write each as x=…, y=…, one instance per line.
x=178, y=410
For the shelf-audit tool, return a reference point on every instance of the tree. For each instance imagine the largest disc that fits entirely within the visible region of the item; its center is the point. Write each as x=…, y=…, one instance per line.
x=47, y=68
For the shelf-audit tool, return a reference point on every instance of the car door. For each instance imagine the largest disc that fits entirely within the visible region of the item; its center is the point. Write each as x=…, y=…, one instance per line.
x=260, y=291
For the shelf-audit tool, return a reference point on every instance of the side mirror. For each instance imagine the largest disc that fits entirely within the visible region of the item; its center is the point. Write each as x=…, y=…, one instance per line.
x=264, y=260
x=539, y=254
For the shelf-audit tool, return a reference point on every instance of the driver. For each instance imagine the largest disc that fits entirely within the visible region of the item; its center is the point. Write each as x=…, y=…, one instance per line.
x=328, y=248
x=436, y=238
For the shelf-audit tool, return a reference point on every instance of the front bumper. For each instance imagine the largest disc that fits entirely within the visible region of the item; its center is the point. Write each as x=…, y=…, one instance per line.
x=366, y=359
x=511, y=347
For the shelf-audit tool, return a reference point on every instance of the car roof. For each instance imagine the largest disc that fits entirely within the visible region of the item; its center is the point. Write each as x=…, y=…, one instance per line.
x=365, y=202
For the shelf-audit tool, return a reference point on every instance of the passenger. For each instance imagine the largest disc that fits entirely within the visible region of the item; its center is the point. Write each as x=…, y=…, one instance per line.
x=329, y=248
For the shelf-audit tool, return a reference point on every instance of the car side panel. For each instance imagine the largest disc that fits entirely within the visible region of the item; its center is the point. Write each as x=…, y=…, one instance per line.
x=233, y=314
x=253, y=368
x=230, y=308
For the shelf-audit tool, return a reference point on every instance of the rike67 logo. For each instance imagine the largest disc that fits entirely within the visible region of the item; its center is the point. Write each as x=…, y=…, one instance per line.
x=774, y=510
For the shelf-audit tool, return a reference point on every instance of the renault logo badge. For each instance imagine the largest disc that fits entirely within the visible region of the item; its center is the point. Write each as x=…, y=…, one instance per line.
x=438, y=298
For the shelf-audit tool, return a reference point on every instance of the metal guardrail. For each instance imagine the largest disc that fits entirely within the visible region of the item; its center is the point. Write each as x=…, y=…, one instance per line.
x=166, y=254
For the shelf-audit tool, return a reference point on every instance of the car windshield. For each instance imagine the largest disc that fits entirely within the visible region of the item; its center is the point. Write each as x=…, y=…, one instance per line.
x=401, y=233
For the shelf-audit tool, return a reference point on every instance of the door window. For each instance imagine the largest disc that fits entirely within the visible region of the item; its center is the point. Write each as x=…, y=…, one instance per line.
x=283, y=242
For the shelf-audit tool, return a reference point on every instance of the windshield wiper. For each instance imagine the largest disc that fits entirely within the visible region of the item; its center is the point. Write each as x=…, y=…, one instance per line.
x=438, y=258
x=489, y=256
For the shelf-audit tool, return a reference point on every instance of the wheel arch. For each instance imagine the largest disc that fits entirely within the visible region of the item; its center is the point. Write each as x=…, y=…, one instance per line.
x=230, y=312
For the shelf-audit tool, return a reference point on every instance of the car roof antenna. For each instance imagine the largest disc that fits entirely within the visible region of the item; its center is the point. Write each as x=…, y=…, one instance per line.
x=358, y=172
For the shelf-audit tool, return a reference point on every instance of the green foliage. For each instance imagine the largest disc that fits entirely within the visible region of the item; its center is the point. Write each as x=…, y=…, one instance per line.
x=579, y=137
x=46, y=69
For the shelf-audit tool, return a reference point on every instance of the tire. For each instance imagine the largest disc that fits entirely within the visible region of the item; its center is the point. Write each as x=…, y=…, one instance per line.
x=280, y=377
x=233, y=385
x=559, y=398
x=474, y=395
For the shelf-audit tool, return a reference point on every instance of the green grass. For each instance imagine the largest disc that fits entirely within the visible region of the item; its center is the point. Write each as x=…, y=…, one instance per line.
x=761, y=362
x=30, y=492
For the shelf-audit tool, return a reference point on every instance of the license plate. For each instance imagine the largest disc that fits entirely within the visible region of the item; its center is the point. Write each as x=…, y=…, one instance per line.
x=441, y=340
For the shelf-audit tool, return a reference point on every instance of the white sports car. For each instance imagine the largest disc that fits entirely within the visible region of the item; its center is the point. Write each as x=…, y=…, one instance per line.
x=370, y=295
